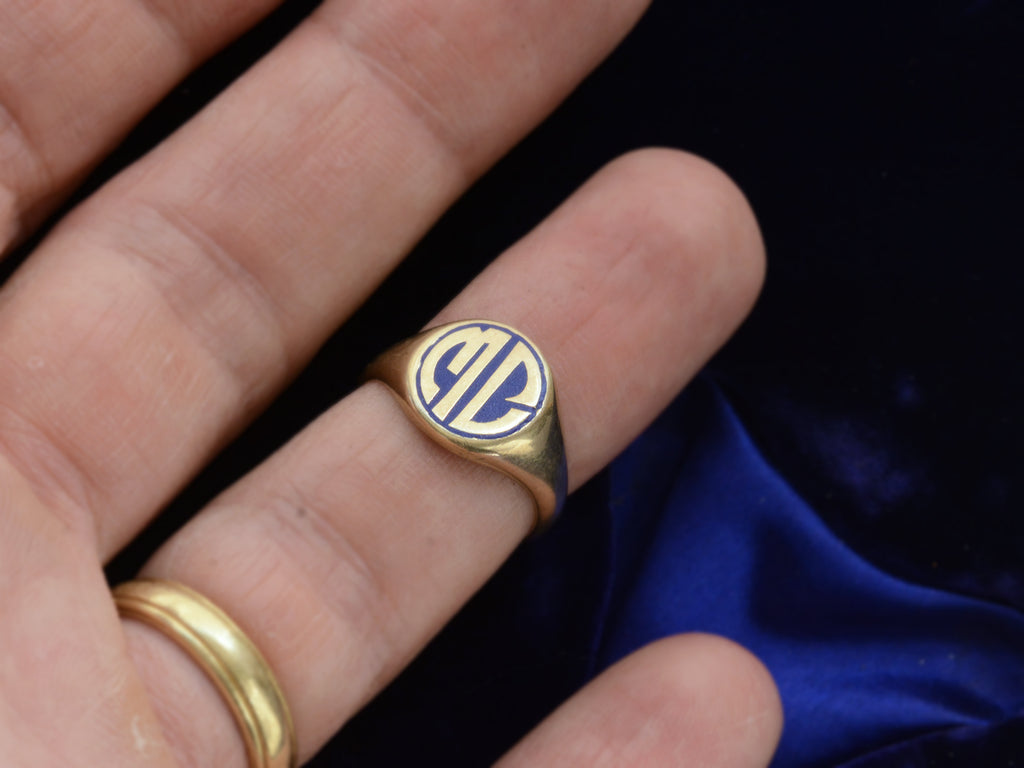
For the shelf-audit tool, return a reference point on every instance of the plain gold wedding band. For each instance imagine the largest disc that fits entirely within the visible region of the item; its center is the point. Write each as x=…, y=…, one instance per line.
x=226, y=655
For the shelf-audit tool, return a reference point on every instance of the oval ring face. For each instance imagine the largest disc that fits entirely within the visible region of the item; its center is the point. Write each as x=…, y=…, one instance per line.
x=481, y=380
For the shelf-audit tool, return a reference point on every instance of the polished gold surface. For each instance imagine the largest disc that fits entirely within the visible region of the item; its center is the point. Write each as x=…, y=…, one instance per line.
x=497, y=405
x=226, y=655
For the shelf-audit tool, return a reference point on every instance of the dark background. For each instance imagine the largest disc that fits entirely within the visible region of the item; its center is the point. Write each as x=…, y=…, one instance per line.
x=882, y=147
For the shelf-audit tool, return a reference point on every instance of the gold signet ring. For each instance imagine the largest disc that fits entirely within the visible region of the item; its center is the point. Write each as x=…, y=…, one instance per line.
x=482, y=390
x=227, y=656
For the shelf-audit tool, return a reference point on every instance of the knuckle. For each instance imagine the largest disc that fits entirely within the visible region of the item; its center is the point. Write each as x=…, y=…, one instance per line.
x=336, y=572
x=381, y=63
x=216, y=294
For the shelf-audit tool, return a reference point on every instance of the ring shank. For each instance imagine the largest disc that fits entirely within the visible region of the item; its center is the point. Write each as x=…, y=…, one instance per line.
x=534, y=455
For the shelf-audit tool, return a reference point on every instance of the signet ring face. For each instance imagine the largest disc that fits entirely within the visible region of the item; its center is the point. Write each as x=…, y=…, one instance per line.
x=483, y=390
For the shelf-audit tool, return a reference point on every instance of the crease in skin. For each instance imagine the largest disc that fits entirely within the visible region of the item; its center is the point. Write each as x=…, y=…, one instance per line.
x=410, y=94
x=237, y=284
x=31, y=453
x=171, y=27
x=9, y=228
x=24, y=171
x=12, y=155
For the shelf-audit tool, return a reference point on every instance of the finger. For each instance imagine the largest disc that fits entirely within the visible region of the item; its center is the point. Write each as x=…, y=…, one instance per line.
x=169, y=308
x=351, y=547
x=692, y=700
x=67, y=695
x=74, y=77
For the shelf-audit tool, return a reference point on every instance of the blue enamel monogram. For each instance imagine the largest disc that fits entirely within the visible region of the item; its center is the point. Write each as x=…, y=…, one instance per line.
x=481, y=380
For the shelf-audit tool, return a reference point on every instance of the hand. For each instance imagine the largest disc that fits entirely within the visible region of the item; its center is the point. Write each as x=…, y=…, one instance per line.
x=169, y=308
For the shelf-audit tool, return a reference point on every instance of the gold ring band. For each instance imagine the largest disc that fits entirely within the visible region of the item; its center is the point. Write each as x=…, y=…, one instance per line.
x=228, y=658
x=483, y=390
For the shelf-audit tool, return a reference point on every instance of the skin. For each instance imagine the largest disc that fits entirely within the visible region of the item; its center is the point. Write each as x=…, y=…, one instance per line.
x=170, y=307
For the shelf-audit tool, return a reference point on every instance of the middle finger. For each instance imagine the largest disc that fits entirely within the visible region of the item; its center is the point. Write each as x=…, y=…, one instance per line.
x=171, y=306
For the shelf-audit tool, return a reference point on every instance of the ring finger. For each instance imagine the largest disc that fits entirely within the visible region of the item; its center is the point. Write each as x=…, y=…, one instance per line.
x=346, y=551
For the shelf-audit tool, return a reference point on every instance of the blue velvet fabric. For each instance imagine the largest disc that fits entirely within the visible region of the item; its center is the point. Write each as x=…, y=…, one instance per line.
x=693, y=530
x=713, y=538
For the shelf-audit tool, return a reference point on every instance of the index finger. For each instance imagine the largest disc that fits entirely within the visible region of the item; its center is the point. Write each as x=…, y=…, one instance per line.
x=75, y=76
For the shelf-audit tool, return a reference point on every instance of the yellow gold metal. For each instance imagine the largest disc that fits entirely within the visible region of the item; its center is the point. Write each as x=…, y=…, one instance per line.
x=479, y=358
x=228, y=658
